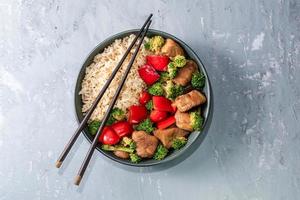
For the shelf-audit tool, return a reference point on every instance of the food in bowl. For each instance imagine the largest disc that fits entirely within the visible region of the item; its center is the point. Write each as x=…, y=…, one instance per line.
x=159, y=105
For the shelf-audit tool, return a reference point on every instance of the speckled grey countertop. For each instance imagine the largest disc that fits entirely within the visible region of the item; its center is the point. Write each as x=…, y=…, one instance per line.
x=251, y=52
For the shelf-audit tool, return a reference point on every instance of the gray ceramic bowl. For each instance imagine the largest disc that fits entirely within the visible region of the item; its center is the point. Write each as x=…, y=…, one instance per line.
x=193, y=137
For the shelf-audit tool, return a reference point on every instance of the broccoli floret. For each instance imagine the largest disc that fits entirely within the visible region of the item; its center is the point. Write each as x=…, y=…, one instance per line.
x=179, y=142
x=115, y=114
x=179, y=61
x=107, y=147
x=196, y=121
x=198, y=80
x=118, y=114
x=116, y=148
x=147, y=45
x=134, y=158
x=128, y=142
x=172, y=90
x=93, y=127
x=155, y=43
x=164, y=76
x=172, y=70
x=146, y=125
x=161, y=152
x=132, y=145
x=149, y=105
x=156, y=89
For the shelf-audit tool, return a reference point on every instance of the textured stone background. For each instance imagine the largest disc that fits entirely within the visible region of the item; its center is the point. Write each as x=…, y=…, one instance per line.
x=250, y=49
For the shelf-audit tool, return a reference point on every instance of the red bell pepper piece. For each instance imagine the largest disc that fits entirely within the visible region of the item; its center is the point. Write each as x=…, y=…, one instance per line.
x=159, y=62
x=137, y=114
x=144, y=97
x=108, y=136
x=148, y=74
x=162, y=104
x=157, y=115
x=166, y=123
x=122, y=128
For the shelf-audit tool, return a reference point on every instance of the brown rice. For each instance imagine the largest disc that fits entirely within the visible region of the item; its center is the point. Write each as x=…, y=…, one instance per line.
x=99, y=71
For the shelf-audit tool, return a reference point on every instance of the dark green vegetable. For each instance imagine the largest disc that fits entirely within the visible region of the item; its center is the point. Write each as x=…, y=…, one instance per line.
x=116, y=148
x=115, y=114
x=147, y=46
x=118, y=114
x=132, y=145
x=172, y=90
x=128, y=142
x=164, y=76
x=93, y=127
x=179, y=61
x=198, y=80
x=156, y=89
x=161, y=152
x=135, y=158
x=155, y=43
x=149, y=105
x=110, y=120
x=146, y=125
x=172, y=70
x=196, y=121
x=178, y=143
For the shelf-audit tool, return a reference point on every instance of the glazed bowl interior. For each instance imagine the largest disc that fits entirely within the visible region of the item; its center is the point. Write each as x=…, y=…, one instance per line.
x=190, y=54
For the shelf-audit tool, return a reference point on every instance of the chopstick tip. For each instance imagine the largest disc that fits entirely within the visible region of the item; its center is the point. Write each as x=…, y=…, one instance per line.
x=77, y=180
x=58, y=164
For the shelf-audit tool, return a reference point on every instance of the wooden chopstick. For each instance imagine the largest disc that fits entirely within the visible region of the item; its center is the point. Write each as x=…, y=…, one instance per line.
x=111, y=105
x=83, y=123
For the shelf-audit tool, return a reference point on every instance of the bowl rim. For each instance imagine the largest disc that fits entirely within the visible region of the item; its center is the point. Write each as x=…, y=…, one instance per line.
x=208, y=95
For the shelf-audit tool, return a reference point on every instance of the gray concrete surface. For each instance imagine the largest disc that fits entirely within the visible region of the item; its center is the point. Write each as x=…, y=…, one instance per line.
x=251, y=52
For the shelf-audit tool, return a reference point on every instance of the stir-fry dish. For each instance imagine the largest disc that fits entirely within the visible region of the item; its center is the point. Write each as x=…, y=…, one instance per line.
x=168, y=108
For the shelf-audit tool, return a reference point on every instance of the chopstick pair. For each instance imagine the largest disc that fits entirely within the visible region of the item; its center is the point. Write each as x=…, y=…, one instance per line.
x=142, y=33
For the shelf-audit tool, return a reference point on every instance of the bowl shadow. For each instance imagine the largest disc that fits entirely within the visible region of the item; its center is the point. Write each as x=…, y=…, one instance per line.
x=230, y=105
